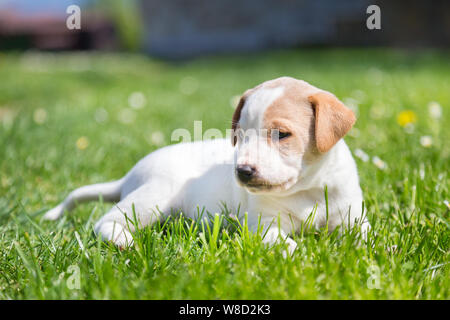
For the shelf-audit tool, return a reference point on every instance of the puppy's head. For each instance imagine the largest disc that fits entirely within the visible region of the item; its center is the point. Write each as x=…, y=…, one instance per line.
x=280, y=128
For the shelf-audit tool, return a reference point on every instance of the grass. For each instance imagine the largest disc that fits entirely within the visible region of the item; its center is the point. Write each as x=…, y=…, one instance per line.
x=65, y=121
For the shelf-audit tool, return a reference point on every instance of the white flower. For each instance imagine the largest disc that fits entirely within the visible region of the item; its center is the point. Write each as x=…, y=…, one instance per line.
x=435, y=110
x=447, y=204
x=40, y=116
x=126, y=116
x=101, y=115
x=422, y=171
x=380, y=164
x=188, y=85
x=157, y=138
x=426, y=141
x=361, y=155
x=137, y=100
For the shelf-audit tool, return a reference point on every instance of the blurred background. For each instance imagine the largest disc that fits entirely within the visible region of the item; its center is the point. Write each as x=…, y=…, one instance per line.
x=180, y=29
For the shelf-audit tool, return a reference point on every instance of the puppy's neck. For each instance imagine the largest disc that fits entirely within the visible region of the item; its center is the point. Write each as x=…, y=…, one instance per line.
x=322, y=171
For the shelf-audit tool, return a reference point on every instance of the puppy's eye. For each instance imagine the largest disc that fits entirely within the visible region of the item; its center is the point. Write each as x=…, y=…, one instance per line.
x=280, y=135
x=283, y=135
x=277, y=134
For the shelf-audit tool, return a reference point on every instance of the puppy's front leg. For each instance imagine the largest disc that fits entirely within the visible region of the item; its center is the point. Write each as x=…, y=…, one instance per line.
x=275, y=234
x=143, y=206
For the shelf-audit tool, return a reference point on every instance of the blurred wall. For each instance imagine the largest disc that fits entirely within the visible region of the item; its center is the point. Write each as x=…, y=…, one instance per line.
x=180, y=28
x=187, y=28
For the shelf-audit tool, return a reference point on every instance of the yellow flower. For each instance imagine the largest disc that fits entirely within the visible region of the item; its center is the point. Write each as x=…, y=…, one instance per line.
x=82, y=143
x=406, y=117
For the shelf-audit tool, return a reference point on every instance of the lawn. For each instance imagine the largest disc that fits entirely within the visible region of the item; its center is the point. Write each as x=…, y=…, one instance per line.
x=72, y=119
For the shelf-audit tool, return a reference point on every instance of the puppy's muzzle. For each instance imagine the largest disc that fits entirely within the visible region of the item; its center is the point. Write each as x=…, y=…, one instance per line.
x=245, y=172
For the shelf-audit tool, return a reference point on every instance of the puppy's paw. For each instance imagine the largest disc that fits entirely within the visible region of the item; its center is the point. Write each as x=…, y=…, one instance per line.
x=115, y=232
x=54, y=213
x=291, y=246
x=273, y=236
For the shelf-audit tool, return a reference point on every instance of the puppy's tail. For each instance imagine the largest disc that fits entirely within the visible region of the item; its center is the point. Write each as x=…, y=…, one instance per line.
x=109, y=191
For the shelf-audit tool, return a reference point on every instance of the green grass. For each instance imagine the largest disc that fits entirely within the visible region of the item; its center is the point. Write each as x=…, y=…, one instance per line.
x=48, y=102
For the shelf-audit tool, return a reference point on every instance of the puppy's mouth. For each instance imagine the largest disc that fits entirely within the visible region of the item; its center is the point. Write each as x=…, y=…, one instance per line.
x=261, y=187
x=258, y=185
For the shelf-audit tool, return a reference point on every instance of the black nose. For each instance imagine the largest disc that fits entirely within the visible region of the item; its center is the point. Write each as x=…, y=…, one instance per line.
x=245, y=172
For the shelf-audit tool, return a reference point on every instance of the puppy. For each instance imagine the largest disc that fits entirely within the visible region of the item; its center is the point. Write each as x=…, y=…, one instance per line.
x=286, y=146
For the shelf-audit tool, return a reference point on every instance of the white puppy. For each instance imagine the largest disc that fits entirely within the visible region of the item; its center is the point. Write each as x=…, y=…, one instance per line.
x=286, y=148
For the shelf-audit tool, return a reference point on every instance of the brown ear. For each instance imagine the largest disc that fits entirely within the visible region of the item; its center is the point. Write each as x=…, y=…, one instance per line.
x=333, y=120
x=235, y=120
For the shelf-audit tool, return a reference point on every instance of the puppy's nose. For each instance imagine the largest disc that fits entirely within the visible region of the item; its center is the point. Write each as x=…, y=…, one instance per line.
x=245, y=172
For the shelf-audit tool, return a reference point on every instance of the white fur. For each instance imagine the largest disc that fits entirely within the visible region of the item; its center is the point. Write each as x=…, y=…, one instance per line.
x=193, y=176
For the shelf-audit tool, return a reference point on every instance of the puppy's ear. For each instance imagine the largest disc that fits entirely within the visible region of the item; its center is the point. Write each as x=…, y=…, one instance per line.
x=333, y=120
x=235, y=120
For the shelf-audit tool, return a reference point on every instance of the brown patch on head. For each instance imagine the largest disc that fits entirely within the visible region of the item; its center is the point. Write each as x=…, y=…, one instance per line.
x=237, y=113
x=291, y=113
x=313, y=117
x=333, y=120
